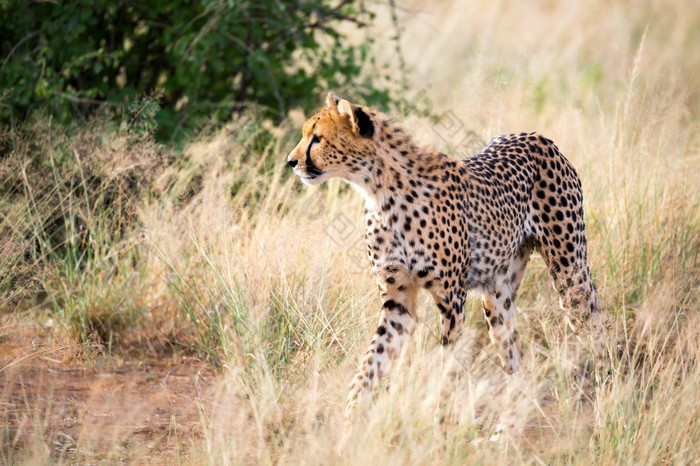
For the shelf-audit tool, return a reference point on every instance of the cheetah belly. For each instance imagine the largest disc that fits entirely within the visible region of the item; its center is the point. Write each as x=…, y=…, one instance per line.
x=491, y=259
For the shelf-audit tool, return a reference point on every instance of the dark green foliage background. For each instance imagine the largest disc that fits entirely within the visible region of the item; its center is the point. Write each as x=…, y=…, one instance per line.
x=202, y=60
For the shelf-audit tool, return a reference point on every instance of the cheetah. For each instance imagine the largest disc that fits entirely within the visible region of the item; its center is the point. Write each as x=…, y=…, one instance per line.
x=450, y=227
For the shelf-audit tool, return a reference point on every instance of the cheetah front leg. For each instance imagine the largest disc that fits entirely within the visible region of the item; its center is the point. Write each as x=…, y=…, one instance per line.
x=396, y=324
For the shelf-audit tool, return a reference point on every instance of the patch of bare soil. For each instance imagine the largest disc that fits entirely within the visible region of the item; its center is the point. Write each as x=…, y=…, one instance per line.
x=110, y=409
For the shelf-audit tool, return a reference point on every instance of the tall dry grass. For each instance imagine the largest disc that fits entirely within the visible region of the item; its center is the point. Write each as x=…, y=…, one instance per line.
x=232, y=259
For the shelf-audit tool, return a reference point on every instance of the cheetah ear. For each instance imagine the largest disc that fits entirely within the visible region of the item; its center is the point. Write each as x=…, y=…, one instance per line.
x=332, y=100
x=361, y=122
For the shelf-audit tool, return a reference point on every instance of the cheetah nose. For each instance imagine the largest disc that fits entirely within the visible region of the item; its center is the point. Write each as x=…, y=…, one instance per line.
x=292, y=162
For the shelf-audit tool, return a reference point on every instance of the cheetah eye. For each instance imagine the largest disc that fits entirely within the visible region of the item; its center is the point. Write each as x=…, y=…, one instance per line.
x=315, y=140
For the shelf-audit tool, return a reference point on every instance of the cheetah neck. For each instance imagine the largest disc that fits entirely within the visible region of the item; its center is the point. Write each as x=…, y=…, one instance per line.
x=401, y=173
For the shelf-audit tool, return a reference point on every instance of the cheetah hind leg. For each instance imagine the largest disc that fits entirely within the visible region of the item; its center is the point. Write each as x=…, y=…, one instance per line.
x=499, y=312
x=500, y=309
x=578, y=297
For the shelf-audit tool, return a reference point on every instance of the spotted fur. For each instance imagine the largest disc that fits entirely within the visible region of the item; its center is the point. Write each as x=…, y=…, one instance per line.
x=450, y=226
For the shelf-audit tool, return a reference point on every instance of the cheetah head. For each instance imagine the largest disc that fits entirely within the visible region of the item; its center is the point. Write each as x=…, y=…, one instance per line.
x=336, y=141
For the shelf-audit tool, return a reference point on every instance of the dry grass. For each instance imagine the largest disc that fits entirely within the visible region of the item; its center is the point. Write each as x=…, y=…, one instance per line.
x=223, y=255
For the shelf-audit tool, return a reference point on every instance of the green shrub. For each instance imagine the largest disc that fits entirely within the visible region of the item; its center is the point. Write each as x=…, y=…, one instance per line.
x=205, y=59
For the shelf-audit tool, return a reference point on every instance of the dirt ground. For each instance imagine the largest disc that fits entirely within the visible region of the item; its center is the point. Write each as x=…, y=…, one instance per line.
x=108, y=408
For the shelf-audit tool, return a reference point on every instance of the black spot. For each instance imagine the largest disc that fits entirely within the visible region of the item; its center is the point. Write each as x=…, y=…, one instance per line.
x=397, y=326
x=391, y=304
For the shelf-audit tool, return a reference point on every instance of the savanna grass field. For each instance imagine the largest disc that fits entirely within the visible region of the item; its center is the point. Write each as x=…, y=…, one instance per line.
x=198, y=304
